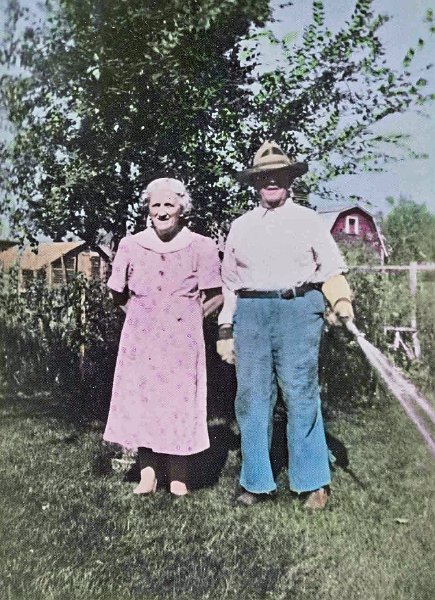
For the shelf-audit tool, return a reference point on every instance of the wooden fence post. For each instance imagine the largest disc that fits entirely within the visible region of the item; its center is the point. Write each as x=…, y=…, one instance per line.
x=82, y=328
x=413, y=290
x=413, y=268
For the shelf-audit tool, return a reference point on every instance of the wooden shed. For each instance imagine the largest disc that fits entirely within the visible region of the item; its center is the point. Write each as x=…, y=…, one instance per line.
x=56, y=262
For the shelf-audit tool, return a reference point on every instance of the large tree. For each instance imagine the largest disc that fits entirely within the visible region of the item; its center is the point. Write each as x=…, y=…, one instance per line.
x=118, y=92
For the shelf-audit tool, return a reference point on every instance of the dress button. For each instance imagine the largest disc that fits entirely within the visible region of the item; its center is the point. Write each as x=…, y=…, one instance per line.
x=162, y=256
x=161, y=273
x=159, y=288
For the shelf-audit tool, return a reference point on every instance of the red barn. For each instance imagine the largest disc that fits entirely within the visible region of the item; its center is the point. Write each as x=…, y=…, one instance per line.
x=353, y=223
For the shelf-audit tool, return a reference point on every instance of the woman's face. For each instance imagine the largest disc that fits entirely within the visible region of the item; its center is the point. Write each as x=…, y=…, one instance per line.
x=165, y=211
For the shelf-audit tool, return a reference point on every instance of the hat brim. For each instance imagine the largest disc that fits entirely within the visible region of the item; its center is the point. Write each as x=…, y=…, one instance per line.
x=296, y=170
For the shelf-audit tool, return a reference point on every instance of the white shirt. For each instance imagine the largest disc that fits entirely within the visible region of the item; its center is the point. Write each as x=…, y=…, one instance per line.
x=277, y=249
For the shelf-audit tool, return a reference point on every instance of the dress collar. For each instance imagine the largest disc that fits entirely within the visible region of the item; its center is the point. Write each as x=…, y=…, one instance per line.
x=150, y=240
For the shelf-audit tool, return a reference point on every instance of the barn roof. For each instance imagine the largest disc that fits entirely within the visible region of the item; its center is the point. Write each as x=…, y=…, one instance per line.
x=329, y=217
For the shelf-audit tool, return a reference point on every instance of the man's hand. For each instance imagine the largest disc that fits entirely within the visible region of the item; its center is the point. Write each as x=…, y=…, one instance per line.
x=339, y=296
x=225, y=349
x=343, y=312
x=225, y=344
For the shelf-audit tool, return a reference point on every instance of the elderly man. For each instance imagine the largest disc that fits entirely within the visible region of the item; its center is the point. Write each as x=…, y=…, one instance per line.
x=280, y=264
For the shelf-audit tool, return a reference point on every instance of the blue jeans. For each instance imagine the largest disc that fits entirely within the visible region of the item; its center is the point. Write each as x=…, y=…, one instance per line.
x=277, y=343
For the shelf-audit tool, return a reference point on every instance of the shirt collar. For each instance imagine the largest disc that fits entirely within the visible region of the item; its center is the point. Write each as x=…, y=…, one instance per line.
x=288, y=204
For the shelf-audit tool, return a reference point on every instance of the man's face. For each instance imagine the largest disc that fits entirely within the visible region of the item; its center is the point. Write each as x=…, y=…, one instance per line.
x=272, y=187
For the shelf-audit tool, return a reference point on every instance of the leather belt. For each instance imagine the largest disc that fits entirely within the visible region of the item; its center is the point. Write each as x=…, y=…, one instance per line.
x=289, y=294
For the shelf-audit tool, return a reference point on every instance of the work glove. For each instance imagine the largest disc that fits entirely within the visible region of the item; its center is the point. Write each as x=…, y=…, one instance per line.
x=339, y=296
x=225, y=344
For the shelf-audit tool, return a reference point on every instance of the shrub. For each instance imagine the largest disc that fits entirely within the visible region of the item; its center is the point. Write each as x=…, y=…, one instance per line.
x=43, y=333
x=64, y=336
x=379, y=299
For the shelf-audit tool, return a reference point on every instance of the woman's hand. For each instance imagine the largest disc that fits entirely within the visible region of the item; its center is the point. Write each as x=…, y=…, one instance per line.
x=120, y=298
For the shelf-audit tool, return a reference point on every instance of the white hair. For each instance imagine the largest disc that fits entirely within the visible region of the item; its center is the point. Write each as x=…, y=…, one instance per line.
x=175, y=185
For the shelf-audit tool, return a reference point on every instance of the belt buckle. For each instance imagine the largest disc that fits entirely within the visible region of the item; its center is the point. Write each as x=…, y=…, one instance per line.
x=289, y=294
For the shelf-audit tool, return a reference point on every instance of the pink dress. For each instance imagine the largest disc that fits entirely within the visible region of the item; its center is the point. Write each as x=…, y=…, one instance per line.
x=159, y=390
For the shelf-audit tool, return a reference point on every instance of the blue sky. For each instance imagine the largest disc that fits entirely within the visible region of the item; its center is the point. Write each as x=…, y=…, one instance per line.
x=414, y=179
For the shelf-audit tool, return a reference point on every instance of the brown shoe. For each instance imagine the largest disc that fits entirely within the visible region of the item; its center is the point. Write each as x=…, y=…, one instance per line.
x=317, y=500
x=249, y=498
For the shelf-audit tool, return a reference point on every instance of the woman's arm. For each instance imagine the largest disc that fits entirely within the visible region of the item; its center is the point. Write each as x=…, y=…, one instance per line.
x=120, y=298
x=212, y=299
x=118, y=280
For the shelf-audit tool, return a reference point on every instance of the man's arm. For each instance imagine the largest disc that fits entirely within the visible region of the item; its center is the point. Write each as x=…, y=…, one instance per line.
x=225, y=343
x=330, y=272
x=337, y=292
x=230, y=281
x=212, y=299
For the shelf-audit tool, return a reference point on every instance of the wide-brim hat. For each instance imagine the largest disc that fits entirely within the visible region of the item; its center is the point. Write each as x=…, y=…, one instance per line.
x=270, y=157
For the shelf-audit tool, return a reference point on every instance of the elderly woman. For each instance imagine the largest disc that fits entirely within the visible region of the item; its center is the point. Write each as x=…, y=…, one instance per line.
x=171, y=279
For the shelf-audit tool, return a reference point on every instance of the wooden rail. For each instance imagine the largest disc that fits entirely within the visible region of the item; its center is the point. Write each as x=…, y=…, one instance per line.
x=412, y=266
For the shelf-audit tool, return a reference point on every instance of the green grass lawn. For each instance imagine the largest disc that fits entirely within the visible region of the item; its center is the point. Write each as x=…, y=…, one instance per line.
x=72, y=529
